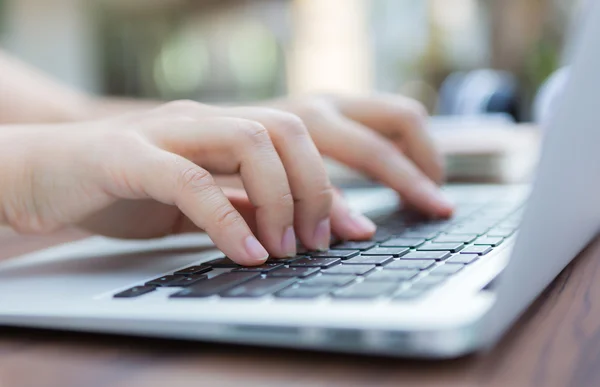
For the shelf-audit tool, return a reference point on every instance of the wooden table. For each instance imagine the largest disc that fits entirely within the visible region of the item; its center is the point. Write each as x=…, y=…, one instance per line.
x=557, y=343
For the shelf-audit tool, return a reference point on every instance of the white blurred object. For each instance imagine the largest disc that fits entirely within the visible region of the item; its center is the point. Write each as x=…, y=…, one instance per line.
x=548, y=94
x=476, y=149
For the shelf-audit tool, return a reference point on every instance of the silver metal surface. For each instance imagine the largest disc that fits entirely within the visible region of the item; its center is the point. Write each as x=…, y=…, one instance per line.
x=563, y=212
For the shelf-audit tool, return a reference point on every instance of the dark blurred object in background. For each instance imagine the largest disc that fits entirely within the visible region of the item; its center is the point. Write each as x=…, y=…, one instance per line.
x=480, y=92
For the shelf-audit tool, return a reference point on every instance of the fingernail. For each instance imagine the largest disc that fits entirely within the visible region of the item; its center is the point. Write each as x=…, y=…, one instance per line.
x=362, y=223
x=288, y=242
x=256, y=251
x=322, y=235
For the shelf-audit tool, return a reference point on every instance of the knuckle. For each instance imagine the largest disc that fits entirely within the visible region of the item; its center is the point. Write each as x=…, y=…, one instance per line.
x=286, y=200
x=196, y=179
x=314, y=109
x=414, y=114
x=251, y=132
x=225, y=217
x=289, y=124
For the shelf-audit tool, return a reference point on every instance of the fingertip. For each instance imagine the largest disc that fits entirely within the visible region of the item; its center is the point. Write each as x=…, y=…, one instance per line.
x=256, y=253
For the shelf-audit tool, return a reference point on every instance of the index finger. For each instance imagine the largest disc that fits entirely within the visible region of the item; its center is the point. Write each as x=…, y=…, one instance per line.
x=402, y=120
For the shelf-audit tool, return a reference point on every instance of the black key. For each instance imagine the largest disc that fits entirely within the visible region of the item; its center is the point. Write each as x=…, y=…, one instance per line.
x=285, y=261
x=329, y=280
x=489, y=241
x=260, y=287
x=391, y=275
x=434, y=255
x=465, y=259
x=395, y=251
x=409, y=294
x=403, y=242
x=474, y=249
x=446, y=270
x=428, y=282
x=303, y=292
x=343, y=254
x=409, y=265
x=188, y=280
x=262, y=268
x=420, y=234
x=454, y=238
x=198, y=269
x=501, y=232
x=222, y=263
x=135, y=291
x=452, y=247
x=315, y=262
x=382, y=234
x=216, y=284
x=164, y=281
x=354, y=245
x=349, y=269
x=301, y=272
x=369, y=260
x=366, y=290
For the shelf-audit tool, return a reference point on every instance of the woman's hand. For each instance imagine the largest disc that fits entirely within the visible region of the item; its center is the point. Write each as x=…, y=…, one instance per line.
x=382, y=136
x=148, y=174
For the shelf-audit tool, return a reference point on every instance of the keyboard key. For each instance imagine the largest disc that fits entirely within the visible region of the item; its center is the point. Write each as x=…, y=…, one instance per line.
x=420, y=234
x=188, y=280
x=474, y=249
x=391, y=275
x=163, y=281
x=354, y=245
x=216, y=284
x=409, y=294
x=434, y=255
x=382, y=234
x=409, y=265
x=315, y=262
x=285, y=261
x=222, y=263
x=403, y=242
x=262, y=268
x=366, y=290
x=349, y=269
x=301, y=272
x=453, y=247
x=490, y=241
x=455, y=238
x=478, y=230
x=465, y=259
x=370, y=260
x=428, y=282
x=446, y=270
x=343, y=254
x=198, y=269
x=395, y=251
x=501, y=232
x=304, y=292
x=259, y=287
x=329, y=280
x=135, y=291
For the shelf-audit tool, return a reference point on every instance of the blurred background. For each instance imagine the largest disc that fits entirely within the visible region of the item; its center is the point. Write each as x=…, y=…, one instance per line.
x=459, y=57
x=235, y=51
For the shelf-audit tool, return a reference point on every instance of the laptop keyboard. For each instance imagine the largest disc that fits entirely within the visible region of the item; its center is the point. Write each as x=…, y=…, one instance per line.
x=407, y=258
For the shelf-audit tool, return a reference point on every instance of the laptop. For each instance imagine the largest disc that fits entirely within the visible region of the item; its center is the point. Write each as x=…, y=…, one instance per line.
x=421, y=288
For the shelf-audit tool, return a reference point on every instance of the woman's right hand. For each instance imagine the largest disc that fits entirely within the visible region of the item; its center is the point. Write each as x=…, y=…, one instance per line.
x=148, y=174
